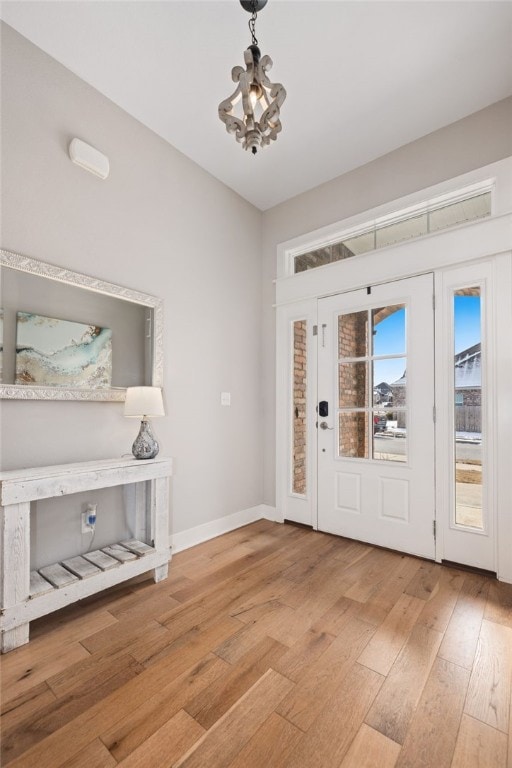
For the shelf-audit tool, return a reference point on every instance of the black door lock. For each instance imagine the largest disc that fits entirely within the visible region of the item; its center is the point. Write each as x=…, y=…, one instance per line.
x=323, y=408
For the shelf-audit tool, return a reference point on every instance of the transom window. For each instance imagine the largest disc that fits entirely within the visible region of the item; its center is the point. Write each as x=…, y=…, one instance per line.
x=431, y=216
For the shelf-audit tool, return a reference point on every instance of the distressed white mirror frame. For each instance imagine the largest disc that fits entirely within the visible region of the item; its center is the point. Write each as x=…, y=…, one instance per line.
x=51, y=272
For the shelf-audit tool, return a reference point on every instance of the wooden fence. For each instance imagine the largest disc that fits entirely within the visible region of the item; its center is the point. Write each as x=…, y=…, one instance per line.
x=468, y=418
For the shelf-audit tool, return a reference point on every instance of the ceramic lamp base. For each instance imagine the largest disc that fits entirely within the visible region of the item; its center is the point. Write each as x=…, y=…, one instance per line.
x=145, y=445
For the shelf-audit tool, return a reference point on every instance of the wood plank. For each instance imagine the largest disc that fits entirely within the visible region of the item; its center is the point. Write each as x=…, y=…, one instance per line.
x=335, y=619
x=210, y=704
x=70, y=625
x=119, y=553
x=325, y=675
x=338, y=722
x=23, y=708
x=139, y=548
x=142, y=605
x=393, y=709
x=439, y=712
x=81, y=567
x=207, y=584
x=499, y=603
x=19, y=678
x=370, y=749
x=349, y=552
x=382, y=600
x=319, y=553
x=220, y=745
x=461, y=636
x=57, y=575
x=488, y=696
x=45, y=482
x=128, y=733
x=423, y=584
x=389, y=639
x=94, y=755
x=191, y=646
x=379, y=565
x=75, y=704
x=49, y=654
x=274, y=619
x=38, y=585
x=101, y=560
x=117, y=637
x=309, y=647
x=438, y=610
x=89, y=672
x=203, y=566
x=270, y=745
x=479, y=746
x=14, y=552
x=164, y=747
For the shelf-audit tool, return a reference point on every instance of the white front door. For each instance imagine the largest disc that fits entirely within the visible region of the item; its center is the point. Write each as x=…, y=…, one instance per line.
x=376, y=478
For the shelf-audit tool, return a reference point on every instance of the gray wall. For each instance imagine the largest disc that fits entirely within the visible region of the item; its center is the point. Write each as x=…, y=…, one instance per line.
x=473, y=142
x=159, y=224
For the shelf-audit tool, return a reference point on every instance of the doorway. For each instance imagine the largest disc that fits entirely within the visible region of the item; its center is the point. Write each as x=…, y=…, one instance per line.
x=376, y=479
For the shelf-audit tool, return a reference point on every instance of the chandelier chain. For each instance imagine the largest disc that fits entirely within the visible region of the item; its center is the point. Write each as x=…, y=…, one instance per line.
x=252, y=23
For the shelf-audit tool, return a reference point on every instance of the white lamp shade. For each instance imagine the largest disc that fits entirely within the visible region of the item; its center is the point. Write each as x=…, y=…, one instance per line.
x=143, y=401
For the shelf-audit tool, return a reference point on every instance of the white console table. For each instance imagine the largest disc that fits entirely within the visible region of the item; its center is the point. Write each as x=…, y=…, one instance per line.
x=18, y=488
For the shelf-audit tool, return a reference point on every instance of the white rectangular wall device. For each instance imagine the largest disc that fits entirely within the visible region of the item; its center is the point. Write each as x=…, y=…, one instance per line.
x=89, y=158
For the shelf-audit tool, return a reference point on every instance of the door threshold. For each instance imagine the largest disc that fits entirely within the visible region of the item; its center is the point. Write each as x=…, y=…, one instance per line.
x=470, y=568
x=298, y=525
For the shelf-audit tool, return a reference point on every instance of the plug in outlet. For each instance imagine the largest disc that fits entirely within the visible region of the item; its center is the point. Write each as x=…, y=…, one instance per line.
x=89, y=519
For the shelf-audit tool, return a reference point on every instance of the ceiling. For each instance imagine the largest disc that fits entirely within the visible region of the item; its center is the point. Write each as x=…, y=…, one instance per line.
x=363, y=78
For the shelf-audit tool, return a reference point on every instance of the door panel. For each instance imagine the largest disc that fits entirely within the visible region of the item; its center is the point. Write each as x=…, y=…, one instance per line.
x=376, y=446
x=466, y=376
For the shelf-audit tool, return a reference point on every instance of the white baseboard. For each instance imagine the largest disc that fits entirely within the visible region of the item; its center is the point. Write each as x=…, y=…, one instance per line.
x=193, y=536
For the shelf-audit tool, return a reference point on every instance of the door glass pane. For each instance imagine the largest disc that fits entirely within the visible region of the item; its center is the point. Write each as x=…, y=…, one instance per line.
x=388, y=330
x=468, y=407
x=353, y=334
x=299, y=407
x=390, y=382
x=353, y=434
x=353, y=385
x=390, y=435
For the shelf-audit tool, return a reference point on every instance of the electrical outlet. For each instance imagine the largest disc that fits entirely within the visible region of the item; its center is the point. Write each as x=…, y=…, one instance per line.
x=89, y=519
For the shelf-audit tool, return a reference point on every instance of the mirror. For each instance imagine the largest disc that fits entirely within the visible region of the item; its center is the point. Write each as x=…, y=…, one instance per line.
x=68, y=336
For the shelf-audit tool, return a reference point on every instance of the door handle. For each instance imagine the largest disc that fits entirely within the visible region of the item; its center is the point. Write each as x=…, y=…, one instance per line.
x=324, y=425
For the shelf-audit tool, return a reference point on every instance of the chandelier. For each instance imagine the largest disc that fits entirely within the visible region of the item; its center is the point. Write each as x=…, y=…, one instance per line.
x=257, y=99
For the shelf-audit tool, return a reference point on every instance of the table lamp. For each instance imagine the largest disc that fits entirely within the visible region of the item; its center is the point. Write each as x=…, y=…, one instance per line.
x=142, y=402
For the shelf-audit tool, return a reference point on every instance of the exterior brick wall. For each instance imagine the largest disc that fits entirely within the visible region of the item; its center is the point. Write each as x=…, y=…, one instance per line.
x=352, y=382
x=471, y=396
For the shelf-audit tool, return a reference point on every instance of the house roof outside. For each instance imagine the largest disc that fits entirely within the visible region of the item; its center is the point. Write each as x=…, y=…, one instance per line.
x=468, y=369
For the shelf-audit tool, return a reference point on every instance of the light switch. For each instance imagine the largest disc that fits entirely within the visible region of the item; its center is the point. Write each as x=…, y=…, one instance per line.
x=225, y=398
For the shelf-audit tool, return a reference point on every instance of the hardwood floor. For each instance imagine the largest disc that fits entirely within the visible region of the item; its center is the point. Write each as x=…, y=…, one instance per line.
x=270, y=646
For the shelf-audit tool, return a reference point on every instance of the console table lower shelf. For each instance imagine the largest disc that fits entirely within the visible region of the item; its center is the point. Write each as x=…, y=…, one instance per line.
x=27, y=595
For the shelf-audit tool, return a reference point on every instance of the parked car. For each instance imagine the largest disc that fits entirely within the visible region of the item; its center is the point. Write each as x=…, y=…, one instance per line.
x=380, y=423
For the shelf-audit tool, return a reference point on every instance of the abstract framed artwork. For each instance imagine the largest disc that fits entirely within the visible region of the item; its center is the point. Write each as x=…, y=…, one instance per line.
x=62, y=353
